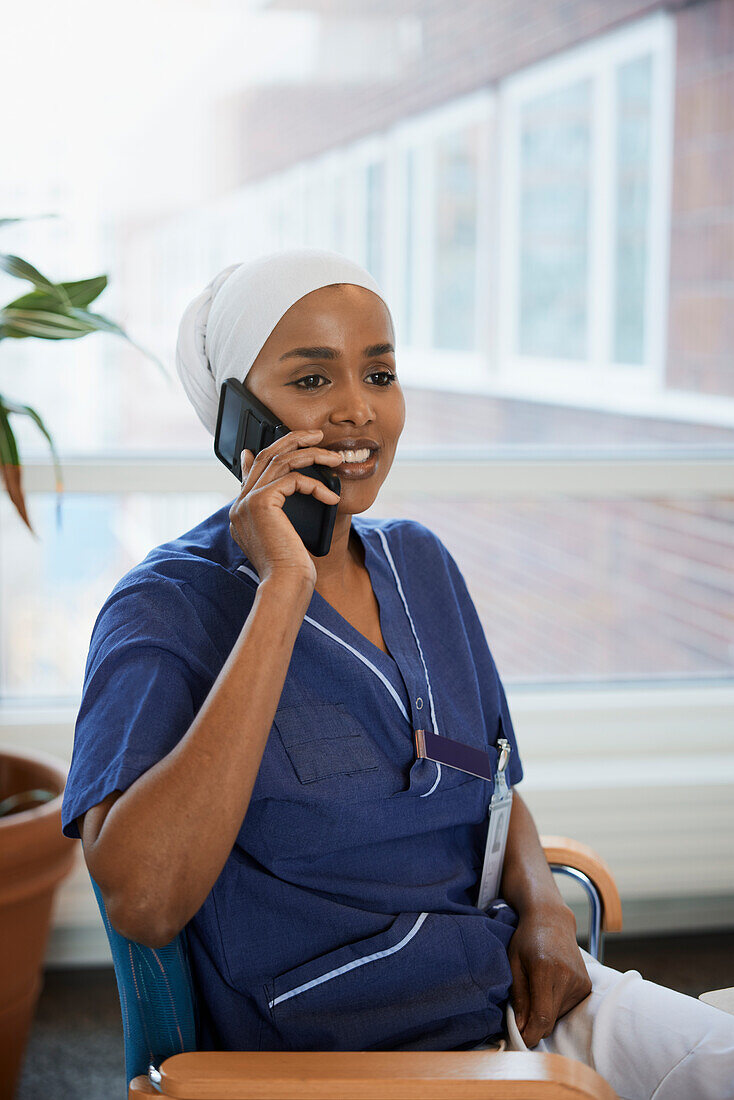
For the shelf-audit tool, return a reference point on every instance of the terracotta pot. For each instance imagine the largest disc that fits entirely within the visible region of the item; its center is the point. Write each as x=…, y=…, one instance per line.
x=34, y=857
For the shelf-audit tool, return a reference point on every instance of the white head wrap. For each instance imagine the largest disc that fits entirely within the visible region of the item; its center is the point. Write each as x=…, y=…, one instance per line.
x=224, y=328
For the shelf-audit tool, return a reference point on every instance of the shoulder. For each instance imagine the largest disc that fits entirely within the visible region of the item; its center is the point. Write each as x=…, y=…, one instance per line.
x=179, y=594
x=406, y=535
x=416, y=550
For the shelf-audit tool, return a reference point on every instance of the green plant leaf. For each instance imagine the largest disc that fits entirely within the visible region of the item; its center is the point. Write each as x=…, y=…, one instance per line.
x=37, y=299
x=9, y=452
x=19, y=323
x=84, y=291
x=26, y=410
x=103, y=324
x=80, y=293
x=8, y=447
x=21, y=269
x=10, y=467
x=59, y=324
x=96, y=321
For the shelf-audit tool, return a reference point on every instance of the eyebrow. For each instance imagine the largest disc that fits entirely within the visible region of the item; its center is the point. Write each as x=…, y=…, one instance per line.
x=332, y=353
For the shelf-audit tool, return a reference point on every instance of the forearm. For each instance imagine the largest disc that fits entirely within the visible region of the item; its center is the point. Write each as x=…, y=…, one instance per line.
x=527, y=881
x=548, y=973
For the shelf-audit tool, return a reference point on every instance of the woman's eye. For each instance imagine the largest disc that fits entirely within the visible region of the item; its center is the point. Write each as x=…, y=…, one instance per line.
x=307, y=378
x=385, y=374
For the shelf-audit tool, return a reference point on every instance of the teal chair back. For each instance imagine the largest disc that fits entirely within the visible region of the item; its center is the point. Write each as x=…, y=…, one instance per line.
x=157, y=997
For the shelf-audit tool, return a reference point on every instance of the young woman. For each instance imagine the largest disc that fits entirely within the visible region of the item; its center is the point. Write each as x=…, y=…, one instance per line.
x=244, y=762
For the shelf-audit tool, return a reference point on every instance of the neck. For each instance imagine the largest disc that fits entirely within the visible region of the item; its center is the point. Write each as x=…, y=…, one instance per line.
x=338, y=570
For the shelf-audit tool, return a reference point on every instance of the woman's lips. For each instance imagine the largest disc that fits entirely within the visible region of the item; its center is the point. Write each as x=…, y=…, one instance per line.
x=355, y=471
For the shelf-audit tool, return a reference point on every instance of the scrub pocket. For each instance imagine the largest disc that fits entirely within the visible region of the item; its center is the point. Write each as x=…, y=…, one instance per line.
x=409, y=987
x=330, y=751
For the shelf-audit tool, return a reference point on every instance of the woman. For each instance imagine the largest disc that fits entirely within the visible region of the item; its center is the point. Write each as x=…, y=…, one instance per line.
x=244, y=759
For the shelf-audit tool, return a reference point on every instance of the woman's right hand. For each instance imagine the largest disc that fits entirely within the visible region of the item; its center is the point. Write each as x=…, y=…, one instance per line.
x=257, y=522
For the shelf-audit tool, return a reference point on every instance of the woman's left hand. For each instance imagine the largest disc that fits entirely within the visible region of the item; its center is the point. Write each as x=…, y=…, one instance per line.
x=548, y=973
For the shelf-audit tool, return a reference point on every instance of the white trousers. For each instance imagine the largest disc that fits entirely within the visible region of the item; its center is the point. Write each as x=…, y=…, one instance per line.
x=648, y=1042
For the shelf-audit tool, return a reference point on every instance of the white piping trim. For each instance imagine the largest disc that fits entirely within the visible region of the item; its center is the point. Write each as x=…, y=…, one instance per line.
x=336, y=638
x=388, y=555
x=350, y=966
x=364, y=660
x=438, y=779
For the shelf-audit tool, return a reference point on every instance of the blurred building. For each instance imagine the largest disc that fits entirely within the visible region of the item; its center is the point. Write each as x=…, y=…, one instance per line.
x=545, y=190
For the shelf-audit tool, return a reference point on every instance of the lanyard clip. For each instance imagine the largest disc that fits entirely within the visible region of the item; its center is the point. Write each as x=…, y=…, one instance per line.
x=500, y=783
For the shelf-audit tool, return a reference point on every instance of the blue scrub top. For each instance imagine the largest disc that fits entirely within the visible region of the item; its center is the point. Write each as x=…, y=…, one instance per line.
x=345, y=917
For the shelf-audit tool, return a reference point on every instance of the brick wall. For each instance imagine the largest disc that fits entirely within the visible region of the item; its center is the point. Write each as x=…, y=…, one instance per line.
x=465, y=45
x=701, y=306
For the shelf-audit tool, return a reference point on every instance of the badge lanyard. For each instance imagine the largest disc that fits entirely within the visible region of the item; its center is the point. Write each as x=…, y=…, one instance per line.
x=500, y=807
x=444, y=750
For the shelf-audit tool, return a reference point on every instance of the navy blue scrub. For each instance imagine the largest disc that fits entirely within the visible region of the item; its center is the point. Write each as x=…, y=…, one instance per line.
x=345, y=917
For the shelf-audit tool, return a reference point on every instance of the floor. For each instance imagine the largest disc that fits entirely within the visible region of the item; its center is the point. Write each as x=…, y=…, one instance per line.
x=77, y=1034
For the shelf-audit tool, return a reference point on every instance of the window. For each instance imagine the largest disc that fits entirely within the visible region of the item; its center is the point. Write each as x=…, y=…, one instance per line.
x=455, y=228
x=555, y=154
x=409, y=244
x=439, y=237
x=633, y=93
x=375, y=220
x=585, y=147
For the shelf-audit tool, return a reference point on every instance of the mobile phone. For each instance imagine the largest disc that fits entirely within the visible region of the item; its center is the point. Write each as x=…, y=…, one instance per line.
x=244, y=421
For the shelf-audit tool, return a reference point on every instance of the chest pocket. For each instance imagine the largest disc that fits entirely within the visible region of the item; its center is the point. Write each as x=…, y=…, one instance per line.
x=329, y=749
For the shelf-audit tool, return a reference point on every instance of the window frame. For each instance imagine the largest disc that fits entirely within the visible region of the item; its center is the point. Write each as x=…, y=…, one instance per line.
x=420, y=362
x=593, y=379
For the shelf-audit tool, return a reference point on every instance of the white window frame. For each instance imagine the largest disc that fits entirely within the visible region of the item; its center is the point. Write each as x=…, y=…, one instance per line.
x=325, y=171
x=598, y=376
x=290, y=193
x=363, y=155
x=420, y=362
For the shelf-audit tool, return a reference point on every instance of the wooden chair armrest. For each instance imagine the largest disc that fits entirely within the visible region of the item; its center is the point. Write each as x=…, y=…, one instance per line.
x=379, y=1075
x=140, y=1087
x=561, y=849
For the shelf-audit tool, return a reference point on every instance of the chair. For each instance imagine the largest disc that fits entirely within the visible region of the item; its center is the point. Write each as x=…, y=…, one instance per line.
x=159, y=1016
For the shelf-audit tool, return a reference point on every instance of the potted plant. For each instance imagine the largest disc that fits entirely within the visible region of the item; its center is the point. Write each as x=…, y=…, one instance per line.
x=34, y=854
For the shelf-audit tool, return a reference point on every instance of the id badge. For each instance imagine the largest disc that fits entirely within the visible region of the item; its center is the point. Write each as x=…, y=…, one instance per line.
x=500, y=808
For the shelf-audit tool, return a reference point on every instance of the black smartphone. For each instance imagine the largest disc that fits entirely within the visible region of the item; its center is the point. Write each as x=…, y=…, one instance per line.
x=243, y=421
